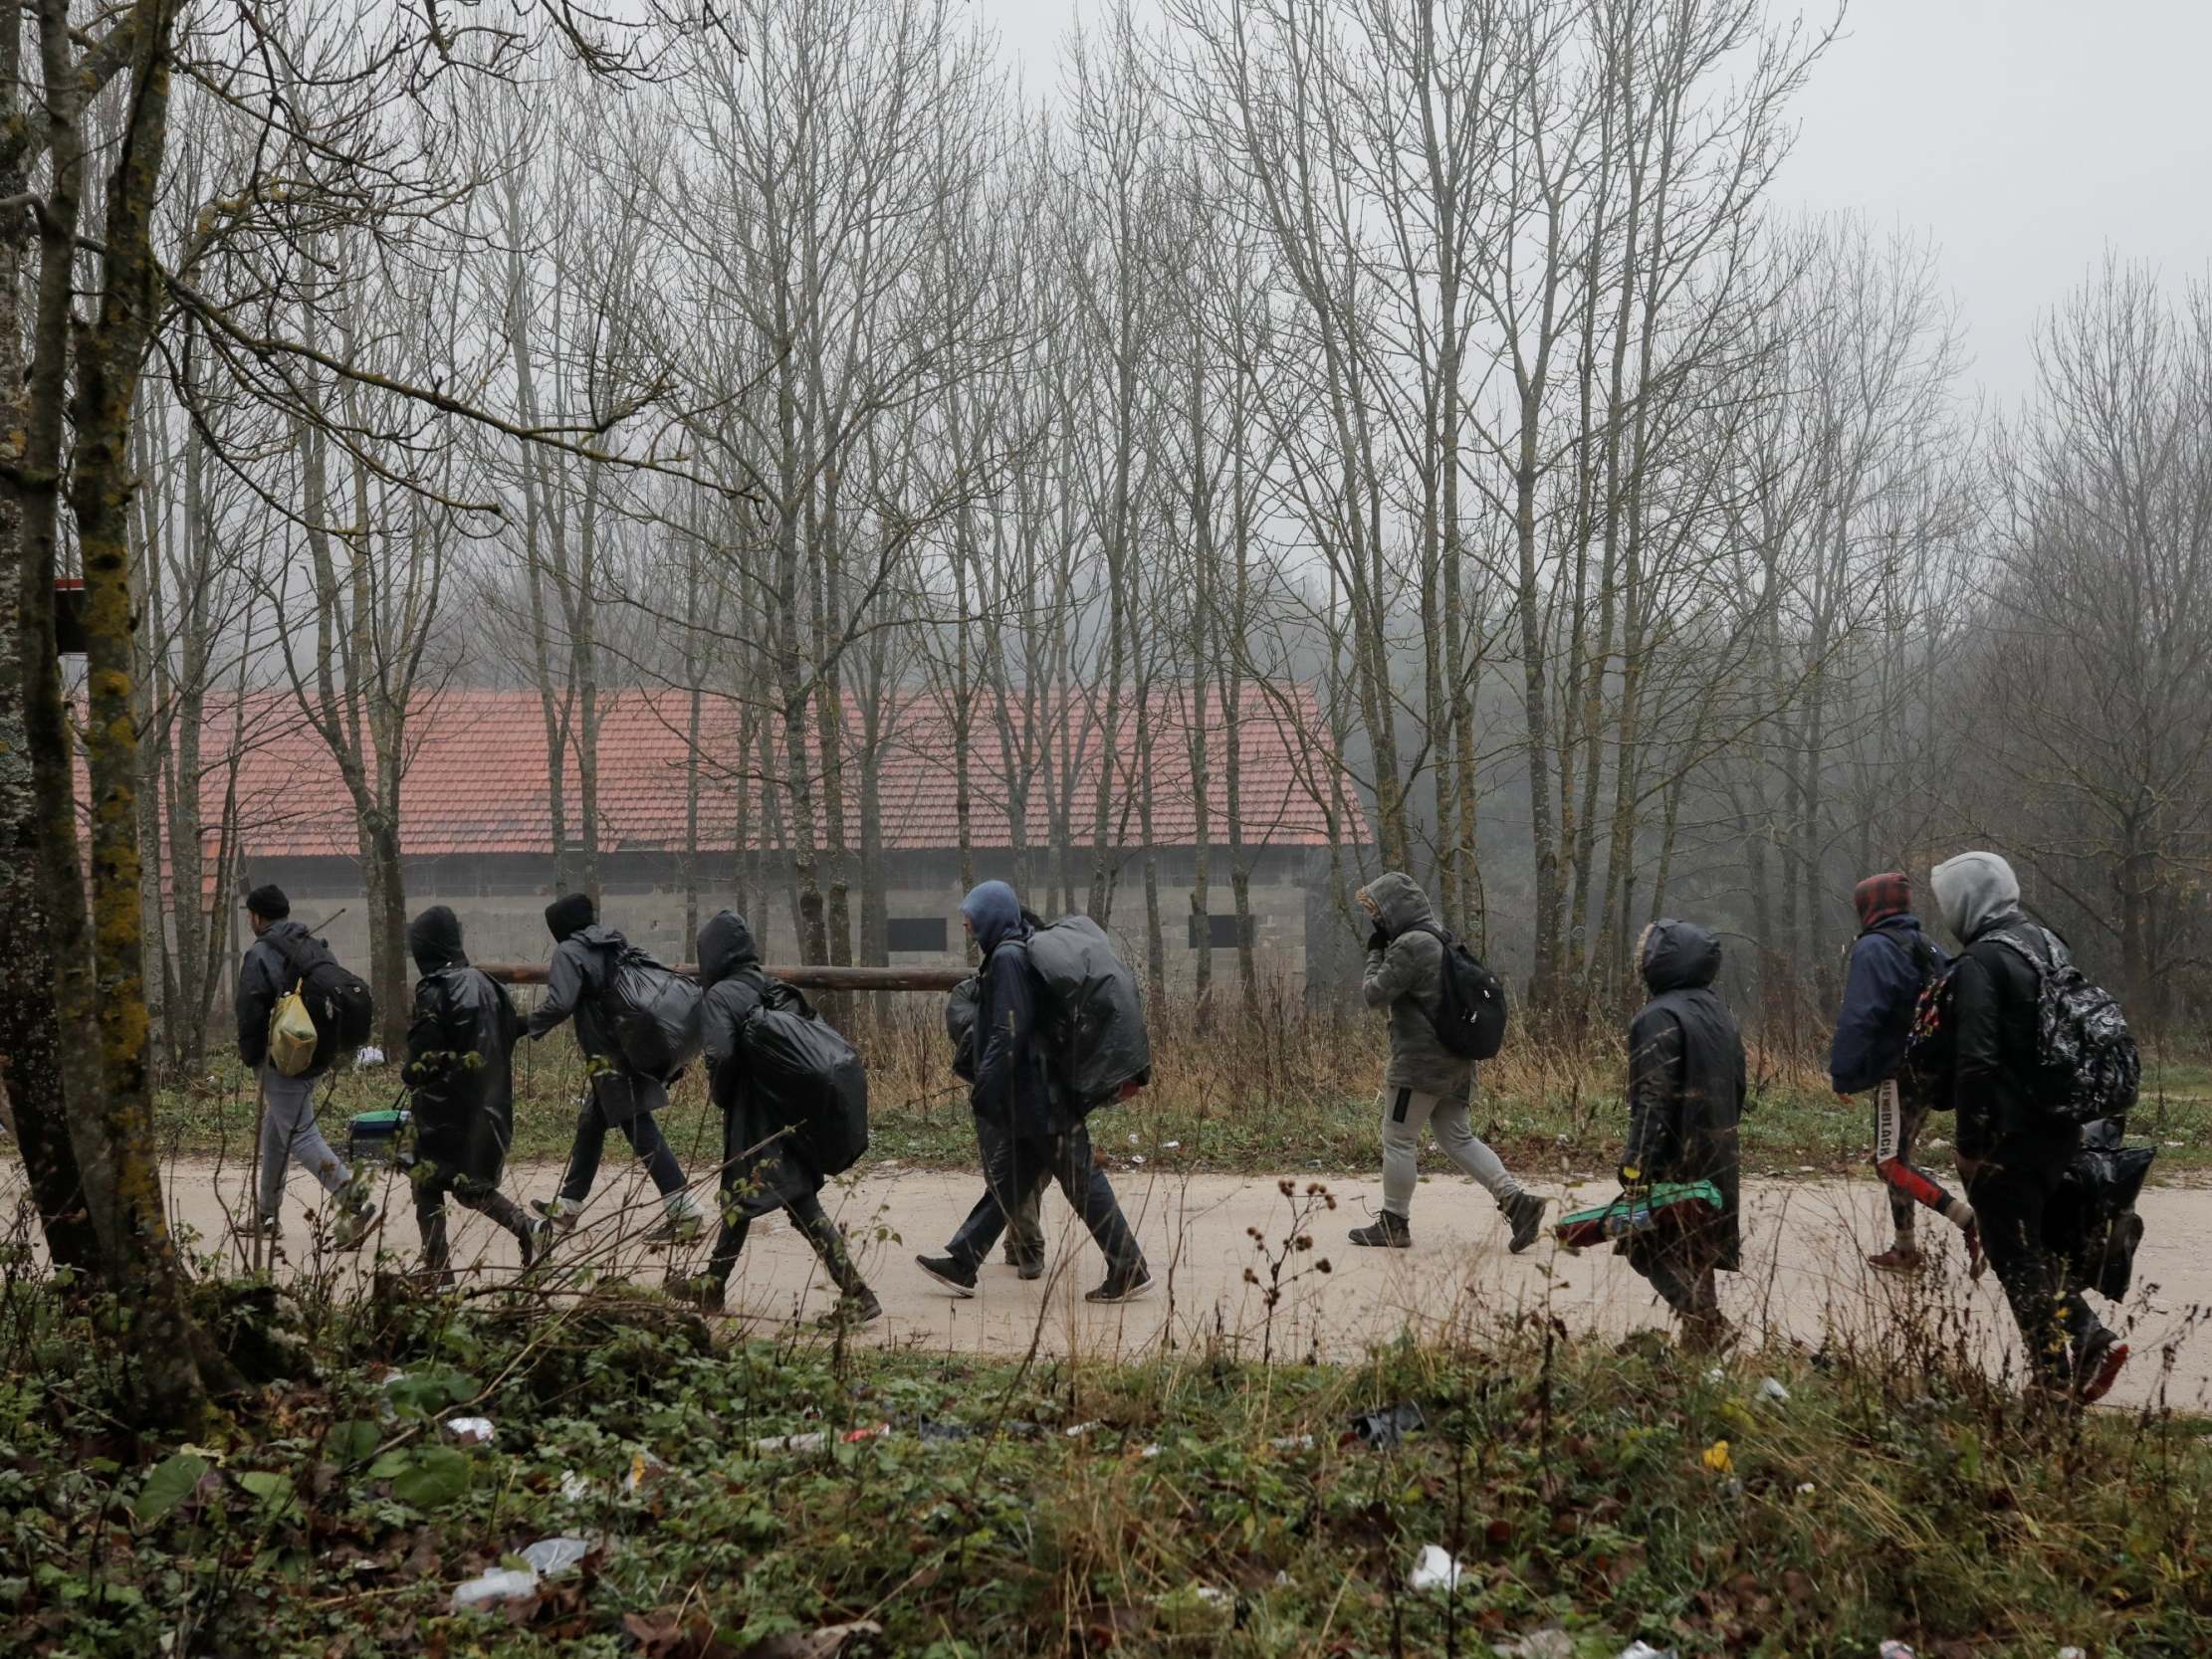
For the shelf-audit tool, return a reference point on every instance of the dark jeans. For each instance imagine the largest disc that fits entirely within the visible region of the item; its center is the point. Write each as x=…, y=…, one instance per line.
x=1024, y=1228
x=1017, y=1168
x=2011, y=1188
x=1682, y=1271
x=433, y=1182
x=645, y=1139
x=807, y=1210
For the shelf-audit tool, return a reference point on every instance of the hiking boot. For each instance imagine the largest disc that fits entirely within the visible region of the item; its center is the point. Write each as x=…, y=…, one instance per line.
x=1525, y=1212
x=851, y=1310
x=951, y=1272
x=1123, y=1283
x=353, y=1225
x=1898, y=1258
x=2101, y=1367
x=1387, y=1232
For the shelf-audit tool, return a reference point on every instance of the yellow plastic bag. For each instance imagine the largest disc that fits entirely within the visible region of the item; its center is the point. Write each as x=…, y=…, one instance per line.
x=291, y=1036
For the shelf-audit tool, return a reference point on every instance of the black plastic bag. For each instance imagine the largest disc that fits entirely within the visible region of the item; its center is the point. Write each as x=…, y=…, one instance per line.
x=655, y=1015
x=960, y=1026
x=805, y=1075
x=2092, y=1221
x=1094, y=1019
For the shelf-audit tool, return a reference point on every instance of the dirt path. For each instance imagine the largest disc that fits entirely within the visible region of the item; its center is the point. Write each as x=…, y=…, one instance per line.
x=1805, y=1276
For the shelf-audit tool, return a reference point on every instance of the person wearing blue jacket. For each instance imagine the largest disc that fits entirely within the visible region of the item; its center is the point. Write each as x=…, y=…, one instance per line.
x=1030, y=1134
x=1890, y=962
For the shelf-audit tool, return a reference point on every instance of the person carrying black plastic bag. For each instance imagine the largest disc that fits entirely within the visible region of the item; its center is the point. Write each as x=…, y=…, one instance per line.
x=1687, y=1086
x=2013, y=1149
x=1034, y=1133
x=764, y=1168
x=460, y=1074
x=577, y=981
x=1025, y=1226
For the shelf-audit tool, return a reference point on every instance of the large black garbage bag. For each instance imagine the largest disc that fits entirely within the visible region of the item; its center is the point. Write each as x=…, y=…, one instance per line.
x=655, y=1014
x=1095, y=1022
x=960, y=1026
x=2092, y=1221
x=804, y=1074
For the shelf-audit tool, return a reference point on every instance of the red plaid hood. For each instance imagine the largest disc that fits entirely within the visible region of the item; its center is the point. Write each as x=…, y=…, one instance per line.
x=1878, y=897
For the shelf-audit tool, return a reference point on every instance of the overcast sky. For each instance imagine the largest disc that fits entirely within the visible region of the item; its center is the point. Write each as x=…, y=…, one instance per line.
x=2026, y=135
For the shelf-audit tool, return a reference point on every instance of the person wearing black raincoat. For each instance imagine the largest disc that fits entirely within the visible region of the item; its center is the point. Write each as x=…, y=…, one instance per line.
x=1687, y=1081
x=763, y=1169
x=461, y=1082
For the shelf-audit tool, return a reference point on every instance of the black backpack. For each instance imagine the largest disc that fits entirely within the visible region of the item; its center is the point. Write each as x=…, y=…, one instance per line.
x=338, y=1000
x=1470, y=1001
x=2085, y=1067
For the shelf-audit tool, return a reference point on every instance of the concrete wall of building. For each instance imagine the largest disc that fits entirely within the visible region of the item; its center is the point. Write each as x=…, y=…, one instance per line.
x=500, y=898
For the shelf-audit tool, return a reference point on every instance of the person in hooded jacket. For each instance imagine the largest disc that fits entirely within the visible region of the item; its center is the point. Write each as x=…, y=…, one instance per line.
x=1686, y=1085
x=1029, y=1135
x=577, y=981
x=1425, y=1085
x=272, y=966
x=763, y=1170
x=1024, y=1247
x=1890, y=962
x=460, y=1074
x=2013, y=1152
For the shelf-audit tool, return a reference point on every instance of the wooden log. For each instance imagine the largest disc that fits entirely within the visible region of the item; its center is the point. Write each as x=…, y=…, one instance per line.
x=806, y=978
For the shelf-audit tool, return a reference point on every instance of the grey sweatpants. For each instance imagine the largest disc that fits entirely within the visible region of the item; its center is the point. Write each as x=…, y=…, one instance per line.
x=1405, y=1113
x=289, y=1135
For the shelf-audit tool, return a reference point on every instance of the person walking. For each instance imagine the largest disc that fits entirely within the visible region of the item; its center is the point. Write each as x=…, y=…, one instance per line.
x=1686, y=1085
x=1024, y=1245
x=459, y=1076
x=1028, y=1132
x=1890, y=962
x=277, y=962
x=1425, y=1085
x=578, y=983
x=762, y=1168
x=2012, y=1150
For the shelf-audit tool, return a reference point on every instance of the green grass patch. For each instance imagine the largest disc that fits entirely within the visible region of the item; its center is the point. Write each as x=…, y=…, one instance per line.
x=1197, y=1504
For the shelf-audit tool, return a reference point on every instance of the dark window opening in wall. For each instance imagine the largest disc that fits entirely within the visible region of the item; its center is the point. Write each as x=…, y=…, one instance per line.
x=915, y=932
x=1222, y=933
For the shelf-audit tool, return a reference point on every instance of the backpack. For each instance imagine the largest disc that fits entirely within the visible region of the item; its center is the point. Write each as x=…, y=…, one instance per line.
x=652, y=1014
x=1470, y=1018
x=2086, y=1066
x=1096, y=1045
x=337, y=1006
x=804, y=1074
x=1924, y=1066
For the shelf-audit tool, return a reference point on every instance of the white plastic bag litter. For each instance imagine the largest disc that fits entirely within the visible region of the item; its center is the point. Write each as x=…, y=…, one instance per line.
x=550, y=1557
x=485, y=1589
x=1435, y=1570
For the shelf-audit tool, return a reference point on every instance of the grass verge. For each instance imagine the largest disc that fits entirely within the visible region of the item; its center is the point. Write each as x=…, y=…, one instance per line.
x=1193, y=1505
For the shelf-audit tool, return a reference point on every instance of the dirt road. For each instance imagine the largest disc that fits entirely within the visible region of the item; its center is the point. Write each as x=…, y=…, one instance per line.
x=1805, y=1276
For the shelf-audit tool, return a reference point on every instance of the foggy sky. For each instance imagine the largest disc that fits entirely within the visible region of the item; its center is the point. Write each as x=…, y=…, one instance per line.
x=2025, y=135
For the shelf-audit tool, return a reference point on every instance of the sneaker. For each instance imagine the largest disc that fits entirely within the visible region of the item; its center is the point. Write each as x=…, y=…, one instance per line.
x=1122, y=1284
x=2101, y=1367
x=684, y=1223
x=353, y=1225
x=560, y=1213
x=853, y=1309
x=1525, y=1210
x=264, y=1226
x=951, y=1272
x=1029, y=1266
x=700, y=1291
x=1898, y=1258
x=1387, y=1232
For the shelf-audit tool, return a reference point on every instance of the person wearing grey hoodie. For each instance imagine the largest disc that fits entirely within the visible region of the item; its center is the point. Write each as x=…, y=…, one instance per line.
x=2012, y=1151
x=1425, y=1085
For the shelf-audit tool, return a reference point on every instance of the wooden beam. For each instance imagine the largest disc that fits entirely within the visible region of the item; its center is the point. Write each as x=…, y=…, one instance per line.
x=816, y=979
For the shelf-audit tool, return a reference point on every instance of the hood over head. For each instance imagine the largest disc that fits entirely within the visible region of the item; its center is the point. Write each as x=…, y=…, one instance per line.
x=994, y=913
x=1975, y=891
x=434, y=940
x=1399, y=903
x=1878, y=897
x=572, y=912
x=726, y=948
x=1678, y=957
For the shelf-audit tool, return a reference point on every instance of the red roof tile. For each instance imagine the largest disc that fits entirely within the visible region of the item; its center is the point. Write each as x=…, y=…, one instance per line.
x=475, y=774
